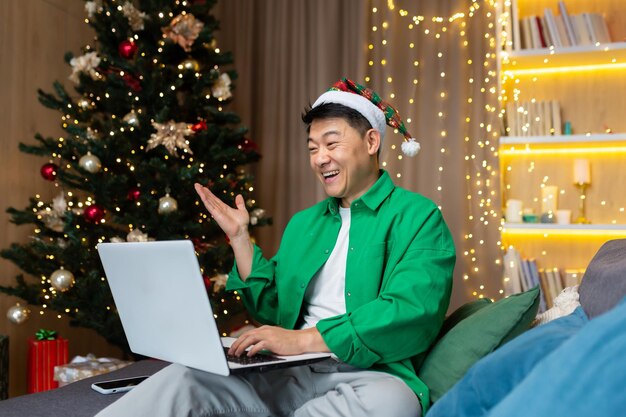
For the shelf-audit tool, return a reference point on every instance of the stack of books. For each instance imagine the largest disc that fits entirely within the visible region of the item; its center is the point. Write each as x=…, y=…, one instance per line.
x=533, y=118
x=554, y=30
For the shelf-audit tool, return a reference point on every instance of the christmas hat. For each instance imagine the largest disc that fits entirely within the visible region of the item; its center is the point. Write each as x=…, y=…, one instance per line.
x=369, y=104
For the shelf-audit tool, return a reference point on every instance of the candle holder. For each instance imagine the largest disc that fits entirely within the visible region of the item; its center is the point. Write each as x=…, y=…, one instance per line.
x=582, y=187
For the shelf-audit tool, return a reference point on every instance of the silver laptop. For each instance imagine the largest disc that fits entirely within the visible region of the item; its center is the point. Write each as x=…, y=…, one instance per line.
x=165, y=310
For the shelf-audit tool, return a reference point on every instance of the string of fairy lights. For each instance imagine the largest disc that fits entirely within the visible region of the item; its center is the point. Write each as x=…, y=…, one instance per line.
x=481, y=247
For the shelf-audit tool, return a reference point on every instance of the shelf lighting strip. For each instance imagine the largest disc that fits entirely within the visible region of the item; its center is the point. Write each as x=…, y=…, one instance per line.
x=565, y=151
x=573, y=68
x=551, y=232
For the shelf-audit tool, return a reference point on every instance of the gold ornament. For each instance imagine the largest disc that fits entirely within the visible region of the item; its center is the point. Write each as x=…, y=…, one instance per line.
x=85, y=63
x=167, y=204
x=18, y=314
x=84, y=104
x=183, y=29
x=90, y=163
x=134, y=16
x=92, y=134
x=171, y=135
x=219, y=282
x=137, y=235
x=189, y=64
x=62, y=279
x=221, y=88
x=131, y=119
x=54, y=217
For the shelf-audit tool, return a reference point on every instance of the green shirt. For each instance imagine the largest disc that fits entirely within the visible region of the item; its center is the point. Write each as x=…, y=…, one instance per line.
x=398, y=279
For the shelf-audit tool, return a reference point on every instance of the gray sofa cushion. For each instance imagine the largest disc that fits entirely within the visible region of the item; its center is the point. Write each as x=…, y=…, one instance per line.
x=76, y=399
x=604, y=282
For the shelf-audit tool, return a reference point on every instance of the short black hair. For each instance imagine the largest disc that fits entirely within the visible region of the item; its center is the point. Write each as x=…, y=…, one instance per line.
x=331, y=110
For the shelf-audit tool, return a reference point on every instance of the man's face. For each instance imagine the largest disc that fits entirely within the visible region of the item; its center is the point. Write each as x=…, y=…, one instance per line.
x=345, y=163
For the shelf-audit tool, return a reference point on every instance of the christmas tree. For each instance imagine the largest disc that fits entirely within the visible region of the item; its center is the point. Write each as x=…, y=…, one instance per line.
x=145, y=121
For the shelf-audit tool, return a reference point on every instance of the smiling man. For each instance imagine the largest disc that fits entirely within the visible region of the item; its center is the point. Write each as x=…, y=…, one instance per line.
x=365, y=274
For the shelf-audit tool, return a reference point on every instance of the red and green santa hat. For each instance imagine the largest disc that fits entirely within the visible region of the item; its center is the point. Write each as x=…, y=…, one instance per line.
x=369, y=104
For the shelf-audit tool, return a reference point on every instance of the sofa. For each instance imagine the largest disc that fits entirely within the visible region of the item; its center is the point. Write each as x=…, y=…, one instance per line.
x=572, y=366
x=485, y=360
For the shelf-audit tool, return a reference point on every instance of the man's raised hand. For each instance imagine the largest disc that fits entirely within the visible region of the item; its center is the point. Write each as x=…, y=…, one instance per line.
x=233, y=221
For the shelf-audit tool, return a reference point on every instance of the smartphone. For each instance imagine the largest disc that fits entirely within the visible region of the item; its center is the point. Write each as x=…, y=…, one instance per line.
x=117, y=385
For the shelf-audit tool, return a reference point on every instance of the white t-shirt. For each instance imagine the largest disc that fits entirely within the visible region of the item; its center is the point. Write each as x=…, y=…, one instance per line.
x=324, y=296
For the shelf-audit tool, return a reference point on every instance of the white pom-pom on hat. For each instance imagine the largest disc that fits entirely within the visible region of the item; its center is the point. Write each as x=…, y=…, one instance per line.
x=410, y=147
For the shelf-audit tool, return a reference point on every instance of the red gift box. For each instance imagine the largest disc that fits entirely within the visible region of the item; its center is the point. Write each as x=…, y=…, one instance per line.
x=43, y=356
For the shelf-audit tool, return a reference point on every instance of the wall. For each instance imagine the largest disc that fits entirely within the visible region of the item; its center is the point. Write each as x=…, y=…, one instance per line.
x=35, y=34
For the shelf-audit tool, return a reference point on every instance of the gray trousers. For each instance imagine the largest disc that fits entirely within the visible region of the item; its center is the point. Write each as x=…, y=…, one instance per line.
x=328, y=388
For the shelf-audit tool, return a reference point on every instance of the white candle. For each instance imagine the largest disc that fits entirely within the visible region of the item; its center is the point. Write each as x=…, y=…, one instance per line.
x=549, y=198
x=582, y=173
x=513, y=211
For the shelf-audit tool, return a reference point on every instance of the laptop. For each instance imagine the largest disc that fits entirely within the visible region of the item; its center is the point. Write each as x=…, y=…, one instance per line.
x=165, y=311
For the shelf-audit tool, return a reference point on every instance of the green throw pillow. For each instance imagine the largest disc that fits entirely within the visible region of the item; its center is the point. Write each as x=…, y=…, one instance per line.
x=462, y=313
x=474, y=337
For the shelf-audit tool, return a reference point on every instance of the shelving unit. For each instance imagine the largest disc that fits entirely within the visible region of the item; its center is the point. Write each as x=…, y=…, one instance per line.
x=588, y=83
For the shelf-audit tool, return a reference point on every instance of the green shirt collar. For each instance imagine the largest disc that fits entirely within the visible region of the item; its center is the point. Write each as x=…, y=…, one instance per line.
x=372, y=199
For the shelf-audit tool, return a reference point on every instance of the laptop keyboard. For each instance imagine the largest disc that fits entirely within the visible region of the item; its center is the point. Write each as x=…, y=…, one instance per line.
x=250, y=360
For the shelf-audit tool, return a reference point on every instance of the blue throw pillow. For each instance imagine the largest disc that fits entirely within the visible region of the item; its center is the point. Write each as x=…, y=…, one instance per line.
x=585, y=376
x=493, y=377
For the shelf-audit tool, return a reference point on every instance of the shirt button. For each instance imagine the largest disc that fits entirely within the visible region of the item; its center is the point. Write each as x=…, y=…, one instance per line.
x=349, y=294
x=326, y=251
x=302, y=285
x=351, y=248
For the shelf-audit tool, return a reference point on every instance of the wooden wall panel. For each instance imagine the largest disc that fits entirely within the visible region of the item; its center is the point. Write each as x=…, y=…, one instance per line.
x=35, y=34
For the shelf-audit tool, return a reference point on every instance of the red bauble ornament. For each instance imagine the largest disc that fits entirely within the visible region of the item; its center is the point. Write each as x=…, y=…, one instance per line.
x=127, y=49
x=201, y=125
x=248, y=145
x=208, y=284
x=133, y=194
x=132, y=82
x=49, y=171
x=93, y=213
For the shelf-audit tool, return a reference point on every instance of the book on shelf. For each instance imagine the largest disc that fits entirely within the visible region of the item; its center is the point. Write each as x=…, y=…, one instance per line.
x=568, y=24
x=547, y=120
x=536, y=36
x=560, y=27
x=599, y=27
x=582, y=31
x=512, y=272
x=534, y=118
x=548, y=285
x=527, y=42
x=543, y=33
x=526, y=280
x=554, y=274
x=534, y=275
x=514, y=13
x=555, y=113
x=572, y=277
x=553, y=32
x=512, y=26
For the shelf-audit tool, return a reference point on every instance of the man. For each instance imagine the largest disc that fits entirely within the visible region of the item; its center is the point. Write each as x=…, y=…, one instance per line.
x=365, y=274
